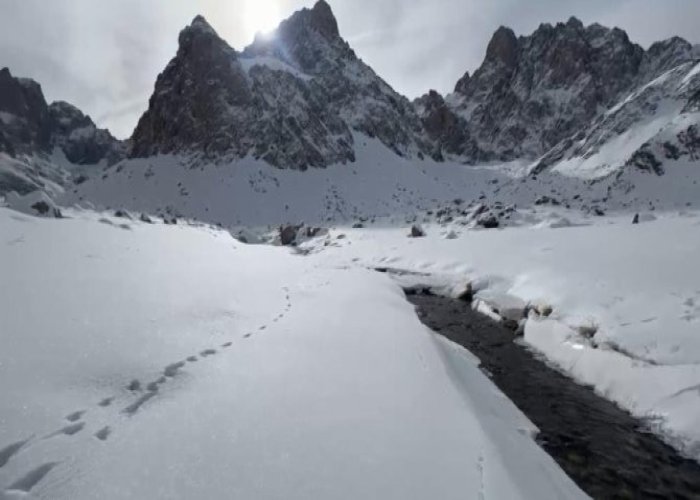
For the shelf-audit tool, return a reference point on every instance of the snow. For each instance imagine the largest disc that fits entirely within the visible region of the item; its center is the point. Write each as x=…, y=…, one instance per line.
x=273, y=63
x=338, y=391
x=635, y=286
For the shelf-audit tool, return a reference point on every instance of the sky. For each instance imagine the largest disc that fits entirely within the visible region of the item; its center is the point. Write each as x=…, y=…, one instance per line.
x=104, y=55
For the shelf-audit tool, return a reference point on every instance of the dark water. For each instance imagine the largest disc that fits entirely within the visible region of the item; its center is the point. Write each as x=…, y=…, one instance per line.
x=605, y=450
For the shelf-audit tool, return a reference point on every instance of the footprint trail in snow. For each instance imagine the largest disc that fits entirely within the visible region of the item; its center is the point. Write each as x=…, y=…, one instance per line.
x=140, y=395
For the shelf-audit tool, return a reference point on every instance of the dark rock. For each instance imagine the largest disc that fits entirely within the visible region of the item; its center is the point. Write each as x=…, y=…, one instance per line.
x=41, y=207
x=145, y=218
x=635, y=220
x=288, y=234
x=417, y=231
x=488, y=221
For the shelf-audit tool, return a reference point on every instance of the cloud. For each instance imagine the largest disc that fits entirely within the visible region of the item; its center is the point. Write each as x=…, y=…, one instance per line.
x=104, y=56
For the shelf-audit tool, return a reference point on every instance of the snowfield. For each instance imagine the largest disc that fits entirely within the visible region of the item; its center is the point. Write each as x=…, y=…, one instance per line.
x=625, y=298
x=159, y=361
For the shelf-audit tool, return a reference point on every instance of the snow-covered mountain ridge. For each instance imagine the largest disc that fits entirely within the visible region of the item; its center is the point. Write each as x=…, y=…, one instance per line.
x=597, y=119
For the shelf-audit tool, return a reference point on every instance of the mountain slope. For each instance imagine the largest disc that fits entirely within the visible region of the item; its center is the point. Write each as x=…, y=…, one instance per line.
x=657, y=123
x=532, y=92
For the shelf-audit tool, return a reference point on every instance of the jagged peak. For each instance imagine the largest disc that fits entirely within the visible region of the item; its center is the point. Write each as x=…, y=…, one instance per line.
x=574, y=22
x=324, y=20
x=198, y=28
x=200, y=23
x=503, y=46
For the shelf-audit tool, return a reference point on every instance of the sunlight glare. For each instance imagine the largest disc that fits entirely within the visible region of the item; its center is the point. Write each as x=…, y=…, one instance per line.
x=261, y=16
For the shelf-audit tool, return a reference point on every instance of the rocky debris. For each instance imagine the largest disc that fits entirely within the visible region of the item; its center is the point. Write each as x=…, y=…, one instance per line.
x=145, y=218
x=488, y=221
x=122, y=214
x=635, y=220
x=35, y=203
x=547, y=200
x=417, y=231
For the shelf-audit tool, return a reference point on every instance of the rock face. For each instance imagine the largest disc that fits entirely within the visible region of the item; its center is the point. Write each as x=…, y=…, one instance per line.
x=292, y=98
x=668, y=102
x=533, y=92
x=28, y=126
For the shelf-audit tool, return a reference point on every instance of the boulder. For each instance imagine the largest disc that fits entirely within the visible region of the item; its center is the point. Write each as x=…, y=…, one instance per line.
x=288, y=234
x=417, y=231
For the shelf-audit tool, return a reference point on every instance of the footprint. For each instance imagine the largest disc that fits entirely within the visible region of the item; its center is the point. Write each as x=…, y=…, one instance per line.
x=103, y=434
x=10, y=450
x=106, y=402
x=134, y=386
x=68, y=430
x=227, y=344
x=136, y=405
x=649, y=320
x=171, y=370
x=262, y=328
x=75, y=416
x=153, y=386
x=32, y=478
x=192, y=359
x=247, y=335
x=207, y=352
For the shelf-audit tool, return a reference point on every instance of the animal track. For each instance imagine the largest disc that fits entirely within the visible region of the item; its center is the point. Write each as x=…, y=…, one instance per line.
x=142, y=393
x=9, y=451
x=32, y=478
x=106, y=402
x=103, y=434
x=68, y=430
x=75, y=416
x=136, y=405
x=171, y=370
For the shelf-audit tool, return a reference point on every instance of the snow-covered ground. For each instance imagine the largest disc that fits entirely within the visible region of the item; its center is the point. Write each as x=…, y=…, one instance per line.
x=154, y=361
x=635, y=287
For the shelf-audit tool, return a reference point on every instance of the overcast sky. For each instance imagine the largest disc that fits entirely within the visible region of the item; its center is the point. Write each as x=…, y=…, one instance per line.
x=104, y=55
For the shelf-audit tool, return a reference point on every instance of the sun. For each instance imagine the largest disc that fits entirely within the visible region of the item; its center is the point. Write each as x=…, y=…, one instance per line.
x=261, y=16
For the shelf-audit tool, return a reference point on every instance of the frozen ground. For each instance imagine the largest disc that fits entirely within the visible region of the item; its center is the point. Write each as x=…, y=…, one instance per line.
x=625, y=298
x=154, y=361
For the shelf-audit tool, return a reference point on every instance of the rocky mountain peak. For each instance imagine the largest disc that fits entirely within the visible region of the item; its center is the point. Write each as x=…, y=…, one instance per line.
x=574, y=22
x=323, y=20
x=503, y=47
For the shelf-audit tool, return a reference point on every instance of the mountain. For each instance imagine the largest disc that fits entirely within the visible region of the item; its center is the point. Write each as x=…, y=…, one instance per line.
x=532, y=92
x=294, y=98
x=656, y=124
x=31, y=131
